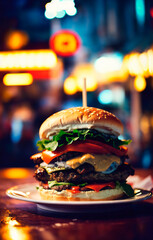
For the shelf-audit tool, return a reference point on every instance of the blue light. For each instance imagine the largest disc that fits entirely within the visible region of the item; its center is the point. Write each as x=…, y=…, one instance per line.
x=105, y=97
x=60, y=14
x=140, y=11
x=146, y=159
x=50, y=15
x=16, y=133
x=71, y=11
x=59, y=8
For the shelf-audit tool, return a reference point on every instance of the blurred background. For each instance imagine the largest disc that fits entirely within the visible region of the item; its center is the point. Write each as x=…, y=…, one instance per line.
x=48, y=47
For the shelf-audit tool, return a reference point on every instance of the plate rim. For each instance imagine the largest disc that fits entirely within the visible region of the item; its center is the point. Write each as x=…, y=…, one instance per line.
x=146, y=195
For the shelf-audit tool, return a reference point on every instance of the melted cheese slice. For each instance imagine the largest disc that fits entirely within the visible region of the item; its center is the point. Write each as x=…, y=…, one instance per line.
x=100, y=162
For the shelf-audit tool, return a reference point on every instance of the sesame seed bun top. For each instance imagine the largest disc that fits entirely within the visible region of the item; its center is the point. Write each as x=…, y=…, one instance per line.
x=81, y=118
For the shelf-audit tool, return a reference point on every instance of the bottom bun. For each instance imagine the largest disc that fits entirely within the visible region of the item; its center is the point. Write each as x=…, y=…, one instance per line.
x=64, y=195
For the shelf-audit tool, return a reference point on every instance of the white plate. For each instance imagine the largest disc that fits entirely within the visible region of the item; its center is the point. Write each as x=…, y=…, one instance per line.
x=29, y=193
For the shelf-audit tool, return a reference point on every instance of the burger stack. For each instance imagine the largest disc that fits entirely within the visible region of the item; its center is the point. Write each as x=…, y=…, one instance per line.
x=82, y=157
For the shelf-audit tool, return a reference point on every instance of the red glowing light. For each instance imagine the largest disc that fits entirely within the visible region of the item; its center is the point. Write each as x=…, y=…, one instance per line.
x=151, y=12
x=65, y=43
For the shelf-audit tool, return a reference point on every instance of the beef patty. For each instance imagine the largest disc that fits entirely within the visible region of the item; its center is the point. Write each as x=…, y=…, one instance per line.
x=64, y=157
x=84, y=173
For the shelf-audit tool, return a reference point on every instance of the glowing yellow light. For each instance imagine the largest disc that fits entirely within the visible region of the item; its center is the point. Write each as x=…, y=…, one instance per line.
x=11, y=222
x=15, y=173
x=28, y=60
x=16, y=39
x=65, y=42
x=70, y=85
x=13, y=230
x=87, y=71
x=134, y=65
x=18, y=79
x=91, y=84
x=151, y=121
x=140, y=63
x=144, y=62
x=16, y=233
x=68, y=43
x=140, y=83
x=150, y=61
x=144, y=125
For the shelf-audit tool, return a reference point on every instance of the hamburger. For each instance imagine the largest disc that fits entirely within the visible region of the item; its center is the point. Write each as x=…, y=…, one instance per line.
x=82, y=157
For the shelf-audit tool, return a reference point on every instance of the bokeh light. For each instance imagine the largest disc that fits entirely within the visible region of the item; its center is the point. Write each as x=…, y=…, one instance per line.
x=16, y=39
x=70, y=85
x=11, y=173
x=71, y=11
x=28, y=60
x=65, y=42
x=109, y=62
x=18, y=79
x=60, y=14
x=86, y=70
x=59, y=8
x=140, y=83
x=105, y=97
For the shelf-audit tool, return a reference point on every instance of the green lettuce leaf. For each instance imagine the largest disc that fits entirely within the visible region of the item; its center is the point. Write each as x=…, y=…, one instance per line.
x=127, y=189
x=55, y=183
x=66, y=138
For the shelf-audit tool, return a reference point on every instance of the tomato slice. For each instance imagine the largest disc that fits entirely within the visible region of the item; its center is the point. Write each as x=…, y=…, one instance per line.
x=98, y=187
x=87, y=146
x=75, y=189
x=48, y=156
x=95, y=187
x=119, y=152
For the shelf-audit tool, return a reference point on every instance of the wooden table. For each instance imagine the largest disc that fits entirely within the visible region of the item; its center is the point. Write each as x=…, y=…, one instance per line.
x=20, y=220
